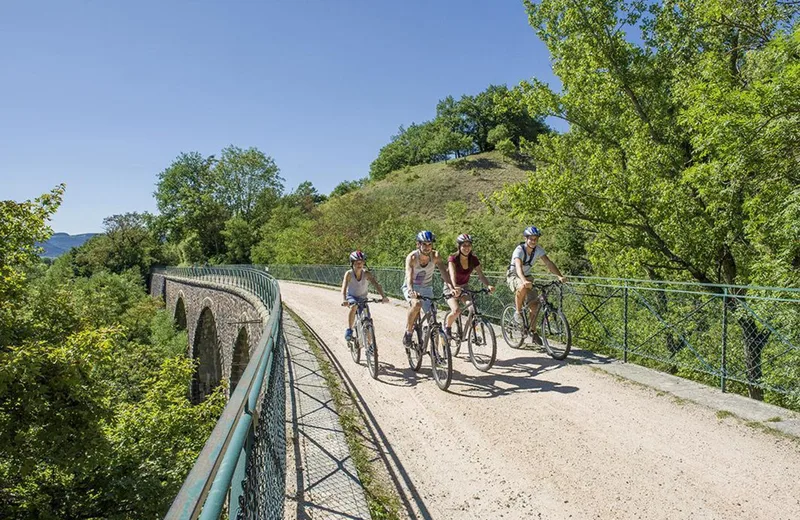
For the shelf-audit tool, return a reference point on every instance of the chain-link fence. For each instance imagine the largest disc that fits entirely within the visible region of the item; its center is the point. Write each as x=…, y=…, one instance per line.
x=746, y=339
x=240, y=473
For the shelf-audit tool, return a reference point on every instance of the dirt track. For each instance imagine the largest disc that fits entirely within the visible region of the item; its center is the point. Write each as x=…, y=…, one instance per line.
x=536, y=438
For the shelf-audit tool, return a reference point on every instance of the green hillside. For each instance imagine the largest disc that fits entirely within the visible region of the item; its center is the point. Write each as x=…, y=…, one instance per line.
x=425, y=189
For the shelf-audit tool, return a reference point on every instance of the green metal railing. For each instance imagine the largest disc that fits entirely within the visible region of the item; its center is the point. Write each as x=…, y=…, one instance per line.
x=745, y=339
x=241, y=469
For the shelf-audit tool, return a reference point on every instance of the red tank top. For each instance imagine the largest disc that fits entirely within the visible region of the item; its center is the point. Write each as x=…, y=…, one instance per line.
x=462, y=275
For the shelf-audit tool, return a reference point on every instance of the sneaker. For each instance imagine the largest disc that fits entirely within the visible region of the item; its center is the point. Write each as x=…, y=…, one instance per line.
x=407, y=339
x=348, y=334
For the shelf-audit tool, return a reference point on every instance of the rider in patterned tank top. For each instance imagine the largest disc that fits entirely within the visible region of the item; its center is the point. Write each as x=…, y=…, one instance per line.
x=418, y=281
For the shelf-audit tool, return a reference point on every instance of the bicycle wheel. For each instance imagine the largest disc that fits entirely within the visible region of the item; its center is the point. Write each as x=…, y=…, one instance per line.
x=355, y=346
x=414, y=352
x=371, y=350
x=555, y=334
x=441, y=360
x=482, y=344
x=513, y=333
x=458, y=335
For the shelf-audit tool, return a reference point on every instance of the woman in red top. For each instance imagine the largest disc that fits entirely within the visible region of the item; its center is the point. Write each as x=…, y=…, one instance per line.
x=461, y=264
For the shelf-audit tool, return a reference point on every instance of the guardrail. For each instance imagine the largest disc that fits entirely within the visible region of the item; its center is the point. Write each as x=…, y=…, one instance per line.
x=241, y=469
x=745, y=339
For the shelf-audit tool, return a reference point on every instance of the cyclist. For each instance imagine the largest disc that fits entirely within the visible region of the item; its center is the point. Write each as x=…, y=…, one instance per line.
x=355, y=287
x=519, y=277
x=460, y=265
x=418, y=281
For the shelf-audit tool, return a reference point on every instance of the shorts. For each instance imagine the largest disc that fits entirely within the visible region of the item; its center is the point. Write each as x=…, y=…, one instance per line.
x=352, y=300
x=515, y=284
x=424, y=291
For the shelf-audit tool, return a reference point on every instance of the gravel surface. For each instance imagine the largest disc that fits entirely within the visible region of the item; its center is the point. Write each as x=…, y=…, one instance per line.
x=537, y=438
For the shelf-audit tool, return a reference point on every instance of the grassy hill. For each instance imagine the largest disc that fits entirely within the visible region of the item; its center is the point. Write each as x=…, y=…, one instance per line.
x=425, y=189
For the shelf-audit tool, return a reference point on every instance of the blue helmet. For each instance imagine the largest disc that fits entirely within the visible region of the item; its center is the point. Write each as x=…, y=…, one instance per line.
x=426, y=236
x=532, y=231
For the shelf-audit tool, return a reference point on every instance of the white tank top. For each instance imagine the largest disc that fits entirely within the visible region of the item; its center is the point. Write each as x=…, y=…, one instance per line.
x=423, y=276
x=358, y=288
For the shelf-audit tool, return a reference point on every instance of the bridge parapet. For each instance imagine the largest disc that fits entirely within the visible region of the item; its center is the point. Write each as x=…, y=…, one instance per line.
x=242, y=464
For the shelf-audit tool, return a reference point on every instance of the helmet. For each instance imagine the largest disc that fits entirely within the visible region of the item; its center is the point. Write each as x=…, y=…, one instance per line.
x=464, y=237
x=426, y=236
x=532, y=231
x=358, y=255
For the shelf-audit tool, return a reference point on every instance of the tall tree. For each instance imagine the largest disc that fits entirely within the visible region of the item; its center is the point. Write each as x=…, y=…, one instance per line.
x=665, y=185
x=245, y=178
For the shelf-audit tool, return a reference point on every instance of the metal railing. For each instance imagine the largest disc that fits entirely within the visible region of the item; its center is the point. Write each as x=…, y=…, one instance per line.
x=745, y=339
x=241, y=469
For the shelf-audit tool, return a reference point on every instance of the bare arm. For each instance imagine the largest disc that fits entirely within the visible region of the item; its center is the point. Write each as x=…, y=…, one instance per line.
x=374, y=282
x=553, y=269
x=483, y=279
x=442, y=269
x=409, y=273
x=345, y=282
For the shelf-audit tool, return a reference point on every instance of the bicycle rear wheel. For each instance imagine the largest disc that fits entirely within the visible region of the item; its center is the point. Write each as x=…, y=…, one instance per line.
x=414, y=352
x=555, y=334
x=482, y=344
x=441, y=360
x=371, y=350
x=513, y=332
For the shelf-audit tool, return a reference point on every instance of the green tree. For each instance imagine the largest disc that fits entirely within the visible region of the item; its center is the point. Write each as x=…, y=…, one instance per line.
x=656, y=179
x=187, y=196
x=248, y=180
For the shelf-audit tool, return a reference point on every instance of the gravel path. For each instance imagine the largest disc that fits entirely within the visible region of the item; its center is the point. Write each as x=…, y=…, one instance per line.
x=536, y=438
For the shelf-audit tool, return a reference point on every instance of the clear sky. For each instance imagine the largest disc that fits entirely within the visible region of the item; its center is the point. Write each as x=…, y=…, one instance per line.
x=103, y=95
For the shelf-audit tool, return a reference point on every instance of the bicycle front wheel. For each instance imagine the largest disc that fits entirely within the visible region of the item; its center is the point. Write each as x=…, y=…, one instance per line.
x=555, y=333
x=513, y=332
x=458, y=335
x=371, y=350
x=414, y=352
x=355, y=346
x=482, y=344
x=441, y=359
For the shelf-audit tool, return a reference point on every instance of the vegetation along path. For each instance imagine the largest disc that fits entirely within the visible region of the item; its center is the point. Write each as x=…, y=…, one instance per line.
x=536, y=438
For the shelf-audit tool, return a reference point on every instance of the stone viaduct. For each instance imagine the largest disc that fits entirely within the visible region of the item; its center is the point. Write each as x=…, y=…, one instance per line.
x=224, y=325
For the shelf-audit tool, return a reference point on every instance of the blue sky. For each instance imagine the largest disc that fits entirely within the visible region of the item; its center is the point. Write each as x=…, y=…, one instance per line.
x=103, y=95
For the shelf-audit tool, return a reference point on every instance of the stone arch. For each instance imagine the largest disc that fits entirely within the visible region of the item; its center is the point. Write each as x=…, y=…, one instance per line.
x=180, y=314
x=206, y=352
x=241, y=356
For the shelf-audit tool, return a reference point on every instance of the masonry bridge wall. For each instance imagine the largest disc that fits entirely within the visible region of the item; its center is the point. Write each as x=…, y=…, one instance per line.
x=224, y=325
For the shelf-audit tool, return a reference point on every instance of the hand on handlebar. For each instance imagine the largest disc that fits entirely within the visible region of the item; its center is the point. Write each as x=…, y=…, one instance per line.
x=345, y=303
x=562, y=279
x=491, y=288
x=527, y=284
x=385, y=300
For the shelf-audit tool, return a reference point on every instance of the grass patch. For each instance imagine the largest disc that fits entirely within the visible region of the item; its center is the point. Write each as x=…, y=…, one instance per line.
x=382, y=499
x=774, y=419
x=724, y=414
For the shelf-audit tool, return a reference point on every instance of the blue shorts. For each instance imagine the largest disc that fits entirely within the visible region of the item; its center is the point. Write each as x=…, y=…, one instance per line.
x=352, y=300
x=424, y=291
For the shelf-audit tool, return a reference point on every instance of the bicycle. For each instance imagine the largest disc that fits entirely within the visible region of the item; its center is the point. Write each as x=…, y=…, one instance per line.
x=481, y=340
x=364, y=329
x=554, y=330
x=428, y=332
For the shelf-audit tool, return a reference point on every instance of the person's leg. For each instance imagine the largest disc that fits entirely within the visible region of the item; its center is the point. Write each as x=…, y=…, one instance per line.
x=413, y=311
x=352, y=317
x=455, y=310
x=348, y=333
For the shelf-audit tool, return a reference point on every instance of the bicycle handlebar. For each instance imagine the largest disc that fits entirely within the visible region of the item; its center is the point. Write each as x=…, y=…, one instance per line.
x=368, y=300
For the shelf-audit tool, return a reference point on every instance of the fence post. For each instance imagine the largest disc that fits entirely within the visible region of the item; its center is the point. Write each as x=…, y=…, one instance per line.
x=625, y=324
x=724, y=368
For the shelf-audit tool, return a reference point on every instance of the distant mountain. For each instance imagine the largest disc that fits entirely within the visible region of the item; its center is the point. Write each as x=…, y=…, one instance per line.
x=60, y=243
